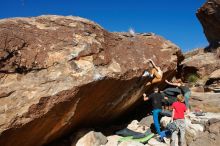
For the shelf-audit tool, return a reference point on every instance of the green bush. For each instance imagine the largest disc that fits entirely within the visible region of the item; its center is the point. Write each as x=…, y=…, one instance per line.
x=192, y=78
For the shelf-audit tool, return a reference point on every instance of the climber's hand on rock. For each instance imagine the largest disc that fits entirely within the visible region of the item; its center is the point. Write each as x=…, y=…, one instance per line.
x=150, y=60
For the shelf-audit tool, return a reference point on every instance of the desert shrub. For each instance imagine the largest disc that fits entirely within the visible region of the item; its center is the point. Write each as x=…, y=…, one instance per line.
x=192, y=78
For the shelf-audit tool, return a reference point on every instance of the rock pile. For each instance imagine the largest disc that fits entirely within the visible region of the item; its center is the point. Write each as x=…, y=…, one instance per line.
x=200, y=130
x=205, y=130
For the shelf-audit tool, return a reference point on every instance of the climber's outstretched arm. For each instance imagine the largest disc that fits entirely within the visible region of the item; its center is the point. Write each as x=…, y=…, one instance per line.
x=154, y=65
x=173, y=84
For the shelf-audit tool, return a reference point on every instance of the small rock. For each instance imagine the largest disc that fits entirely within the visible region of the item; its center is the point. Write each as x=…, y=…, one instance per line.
x=92, y=139
x=215, y=74
x=212, y=136
x=192, y=130
x=214, y=128
x=164, y=121
x=147, y=121
x=134, y=126
x=112, y=140
x=213, y=120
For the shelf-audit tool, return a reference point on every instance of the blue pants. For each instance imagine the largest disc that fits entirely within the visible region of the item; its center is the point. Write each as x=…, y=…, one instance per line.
x=156, y=113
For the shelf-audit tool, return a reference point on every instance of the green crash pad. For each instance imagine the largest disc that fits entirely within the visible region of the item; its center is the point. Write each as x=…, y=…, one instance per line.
x=142, y=140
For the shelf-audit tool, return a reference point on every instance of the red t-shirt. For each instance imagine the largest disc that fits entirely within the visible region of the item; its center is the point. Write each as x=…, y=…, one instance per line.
x=179, y=108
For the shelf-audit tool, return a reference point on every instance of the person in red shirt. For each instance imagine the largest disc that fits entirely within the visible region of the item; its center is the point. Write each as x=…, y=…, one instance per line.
x=179, y=109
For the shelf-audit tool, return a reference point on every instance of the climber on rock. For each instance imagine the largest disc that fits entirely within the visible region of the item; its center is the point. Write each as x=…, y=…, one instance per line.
x=156, y=74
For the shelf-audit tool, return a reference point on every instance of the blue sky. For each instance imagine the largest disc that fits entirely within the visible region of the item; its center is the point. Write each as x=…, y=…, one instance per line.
x=173, y=19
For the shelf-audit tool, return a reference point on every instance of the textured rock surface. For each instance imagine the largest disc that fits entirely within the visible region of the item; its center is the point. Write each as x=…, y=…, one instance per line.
x=193, y=130
x=135, y=126
x=208, y=102
x=211, y=135
x=200, y=62
x=112, y=140
x=147, y=121
x=61, y=73
x=154, y=142
x=130, y=143
x=205, y=139
x=215, y=74
x=209, y=16
x=92, y=139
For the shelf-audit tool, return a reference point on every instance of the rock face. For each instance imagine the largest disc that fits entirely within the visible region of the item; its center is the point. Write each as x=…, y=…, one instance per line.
x=208, y=102
x=215, y=74
x=201, y=63
x=210, y=136
x=214, y=78
x=209, y=16
x=61, y=73
x=206, y=139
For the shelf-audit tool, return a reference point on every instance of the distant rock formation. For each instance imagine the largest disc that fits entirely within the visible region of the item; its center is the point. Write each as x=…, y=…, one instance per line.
x=201, y=63
x=61, y=73
x=205, y=61
x=209, y=16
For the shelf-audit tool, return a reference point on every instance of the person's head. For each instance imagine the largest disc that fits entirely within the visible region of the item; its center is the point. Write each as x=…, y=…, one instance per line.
x=156, y=89
x=180, y=98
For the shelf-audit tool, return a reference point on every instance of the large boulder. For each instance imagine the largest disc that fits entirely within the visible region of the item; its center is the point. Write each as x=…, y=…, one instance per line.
x=208, y=102
x=58, y=74
x=146, y=121
x=214, y=77
x=211, y=135
x=215, y=74
x=205, y=139
x=201, y=64
x=209, y=16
